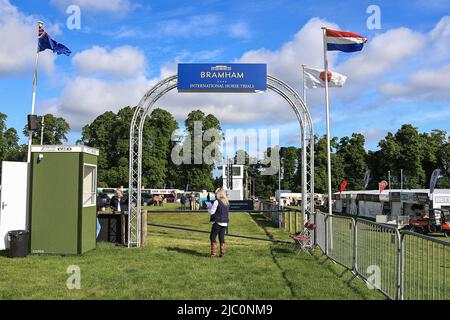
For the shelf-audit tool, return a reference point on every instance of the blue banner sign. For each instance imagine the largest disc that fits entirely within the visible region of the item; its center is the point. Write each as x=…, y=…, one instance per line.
x=229, y=77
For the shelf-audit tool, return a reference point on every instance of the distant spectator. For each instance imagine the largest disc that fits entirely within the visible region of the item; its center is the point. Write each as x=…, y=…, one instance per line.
x=119, y=203
x=192, y=202
x=183, y=201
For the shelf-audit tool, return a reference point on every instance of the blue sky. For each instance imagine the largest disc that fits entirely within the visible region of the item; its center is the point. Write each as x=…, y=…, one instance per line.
x=125, y=46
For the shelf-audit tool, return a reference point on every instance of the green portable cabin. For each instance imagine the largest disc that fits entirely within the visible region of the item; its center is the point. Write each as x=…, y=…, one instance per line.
x=63, y=199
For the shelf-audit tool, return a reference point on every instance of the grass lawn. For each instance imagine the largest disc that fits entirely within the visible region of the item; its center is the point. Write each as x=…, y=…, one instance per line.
x=176, y=265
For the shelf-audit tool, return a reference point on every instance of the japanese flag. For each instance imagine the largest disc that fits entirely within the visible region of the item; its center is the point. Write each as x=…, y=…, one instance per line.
x=315, y=78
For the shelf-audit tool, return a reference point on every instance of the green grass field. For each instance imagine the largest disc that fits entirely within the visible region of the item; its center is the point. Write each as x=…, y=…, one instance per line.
x=176, y=265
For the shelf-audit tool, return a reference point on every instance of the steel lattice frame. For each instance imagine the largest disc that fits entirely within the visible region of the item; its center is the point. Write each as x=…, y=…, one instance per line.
x=170, y=83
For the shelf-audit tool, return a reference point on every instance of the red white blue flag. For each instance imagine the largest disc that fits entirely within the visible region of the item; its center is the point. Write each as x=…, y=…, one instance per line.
x=344, y=41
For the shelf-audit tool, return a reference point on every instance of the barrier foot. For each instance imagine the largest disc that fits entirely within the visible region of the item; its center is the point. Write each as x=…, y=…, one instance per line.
x=325, y=260
x=342, y=273
x=352, y=278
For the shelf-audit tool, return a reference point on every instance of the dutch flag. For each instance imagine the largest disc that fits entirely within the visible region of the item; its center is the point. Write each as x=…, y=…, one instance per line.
x=344, y=41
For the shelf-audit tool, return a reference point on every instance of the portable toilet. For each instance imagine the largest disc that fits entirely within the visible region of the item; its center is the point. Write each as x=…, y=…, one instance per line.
x=63, y=202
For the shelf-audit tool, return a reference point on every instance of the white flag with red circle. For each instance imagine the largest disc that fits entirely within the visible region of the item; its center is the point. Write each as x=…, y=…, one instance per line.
x=315, y=78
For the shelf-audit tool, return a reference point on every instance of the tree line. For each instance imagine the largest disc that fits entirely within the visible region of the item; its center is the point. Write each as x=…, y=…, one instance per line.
x=415, y=154
x=55, y=133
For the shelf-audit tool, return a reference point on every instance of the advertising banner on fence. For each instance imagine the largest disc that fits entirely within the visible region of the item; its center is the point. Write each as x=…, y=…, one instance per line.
x=232, y=77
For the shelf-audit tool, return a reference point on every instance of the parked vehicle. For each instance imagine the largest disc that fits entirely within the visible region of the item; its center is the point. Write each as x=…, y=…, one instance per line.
x=436, y=221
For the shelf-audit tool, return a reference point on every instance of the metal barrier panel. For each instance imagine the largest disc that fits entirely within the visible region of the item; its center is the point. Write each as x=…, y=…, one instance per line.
x=424, y=267
x=340, y=239
x=378, y=256
x=319, y=233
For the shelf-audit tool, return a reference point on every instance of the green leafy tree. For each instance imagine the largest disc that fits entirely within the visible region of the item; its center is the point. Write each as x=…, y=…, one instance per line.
x=351, y=156
x=290, y=165
x=14, y=151
x=109, y=133
x=3, y=143
x=199, y=176
x=157, y=149
x=404, y=150
x=321, y=171
x=55, y=131
x=10, y=150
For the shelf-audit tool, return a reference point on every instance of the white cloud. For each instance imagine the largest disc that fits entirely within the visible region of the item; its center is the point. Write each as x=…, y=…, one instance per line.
x=386, y=55
x=305, y=48
x=19, y=43
x=374, y=135
x=440, y=39
x=110, y=6
x=426, y=84
x=240, y=30
x=429, y=78
x=122, y=61
x=85, y=98
x=385, y=52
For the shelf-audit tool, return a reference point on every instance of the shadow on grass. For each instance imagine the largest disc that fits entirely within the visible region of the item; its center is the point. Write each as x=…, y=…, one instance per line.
x=332, y=266
x=189, y=252
x=275, y=250
x=264, y=223
x=157, y=232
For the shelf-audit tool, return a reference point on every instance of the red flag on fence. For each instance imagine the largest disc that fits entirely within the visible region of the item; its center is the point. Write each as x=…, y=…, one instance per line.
x=343, y=185
x=383, y=185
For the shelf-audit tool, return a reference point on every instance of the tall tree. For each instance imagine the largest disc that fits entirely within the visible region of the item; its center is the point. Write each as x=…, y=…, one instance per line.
x=353, y=160
x=404, y=150
x=321, y=171
x=290, y=163
x=14, y=151
x=109, y=132
x=199, y=176
x=55, y=130
x=3, y=143
x=10, y=150
x=157, y=150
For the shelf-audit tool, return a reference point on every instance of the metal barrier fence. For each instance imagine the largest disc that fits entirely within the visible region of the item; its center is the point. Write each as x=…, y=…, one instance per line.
x=320, y=232
x=402, y=265
x=340, y=242
x=424, y=267
x=378, y=256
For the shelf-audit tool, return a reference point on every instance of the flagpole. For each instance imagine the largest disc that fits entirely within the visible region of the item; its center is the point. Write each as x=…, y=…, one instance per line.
x=33, y=100
x=304, y=164
x=304, y=83
x=324, y=29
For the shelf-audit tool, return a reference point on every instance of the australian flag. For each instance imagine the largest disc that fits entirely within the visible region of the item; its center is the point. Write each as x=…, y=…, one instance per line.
x=46, y=42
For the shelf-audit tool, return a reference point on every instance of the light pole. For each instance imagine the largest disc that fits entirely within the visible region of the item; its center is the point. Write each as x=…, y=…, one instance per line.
x=42, y=131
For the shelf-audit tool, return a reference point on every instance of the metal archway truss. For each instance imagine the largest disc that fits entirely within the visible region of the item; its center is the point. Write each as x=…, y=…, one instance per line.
x=135, y=166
